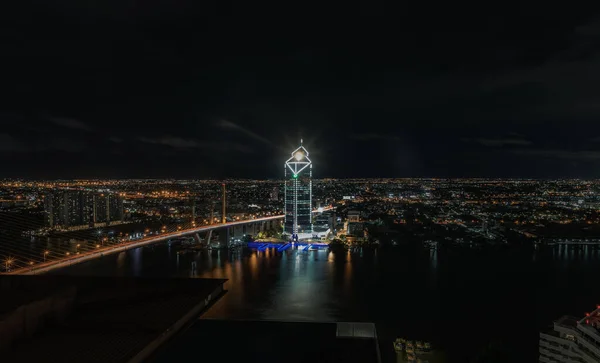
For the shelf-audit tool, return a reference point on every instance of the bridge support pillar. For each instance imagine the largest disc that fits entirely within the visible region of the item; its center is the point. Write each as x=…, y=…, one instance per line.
x=252, y=229
x=224, y=236
x=238, y=231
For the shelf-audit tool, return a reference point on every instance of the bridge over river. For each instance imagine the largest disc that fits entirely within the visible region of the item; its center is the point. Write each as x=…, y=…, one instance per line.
x=99, y=251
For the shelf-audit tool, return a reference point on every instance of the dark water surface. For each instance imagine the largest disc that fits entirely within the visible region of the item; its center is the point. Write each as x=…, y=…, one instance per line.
x=461, y=300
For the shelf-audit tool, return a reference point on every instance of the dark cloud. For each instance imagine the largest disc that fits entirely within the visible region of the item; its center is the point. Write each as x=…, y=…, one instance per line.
x=67, y=145
x=499, y=142
x=228, y=125
x=373, y=136
x=181, y=143
x=10, y=144
x=565, y=80
x=115, y=139
x=582, y=155
x=454, y=95
x=70, y=123
x=175, y=142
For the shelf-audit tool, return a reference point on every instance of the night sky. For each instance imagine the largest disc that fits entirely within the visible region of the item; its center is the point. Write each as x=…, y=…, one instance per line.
x=173, y=89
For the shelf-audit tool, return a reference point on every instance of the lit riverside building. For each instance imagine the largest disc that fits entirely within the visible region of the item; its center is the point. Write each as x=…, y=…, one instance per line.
x=77, y=208
x=298, y=194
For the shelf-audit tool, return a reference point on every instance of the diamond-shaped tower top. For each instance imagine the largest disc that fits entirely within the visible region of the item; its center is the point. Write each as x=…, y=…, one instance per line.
x=299, y=160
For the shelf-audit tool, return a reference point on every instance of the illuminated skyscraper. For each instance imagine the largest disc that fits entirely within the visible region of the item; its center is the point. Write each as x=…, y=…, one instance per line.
x=298, y=194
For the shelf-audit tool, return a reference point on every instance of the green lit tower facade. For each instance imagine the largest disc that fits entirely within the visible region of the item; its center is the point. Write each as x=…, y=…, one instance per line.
x=298, y=195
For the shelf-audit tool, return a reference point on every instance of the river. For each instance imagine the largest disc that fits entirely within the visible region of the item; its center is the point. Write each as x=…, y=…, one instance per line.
x=461, y=300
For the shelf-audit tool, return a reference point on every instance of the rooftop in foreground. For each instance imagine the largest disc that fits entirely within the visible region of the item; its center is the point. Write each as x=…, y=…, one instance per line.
x=274, y=341
x=96, y=319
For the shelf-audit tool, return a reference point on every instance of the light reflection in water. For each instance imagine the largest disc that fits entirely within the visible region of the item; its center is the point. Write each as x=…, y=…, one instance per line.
x=253, y=265
x=347, y=272
x=137, y=261
x=121, y=260
x=309, y=285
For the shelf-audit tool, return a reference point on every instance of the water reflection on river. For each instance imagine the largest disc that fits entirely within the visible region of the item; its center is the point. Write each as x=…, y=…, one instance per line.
x=461, y=300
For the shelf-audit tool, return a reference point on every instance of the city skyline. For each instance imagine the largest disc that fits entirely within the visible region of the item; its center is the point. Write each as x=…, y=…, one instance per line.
x=500, y=95
x=439, y=199
x=481, y=241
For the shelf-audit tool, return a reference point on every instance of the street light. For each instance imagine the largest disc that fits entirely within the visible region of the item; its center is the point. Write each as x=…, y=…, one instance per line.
x=8, y=262
x=46, y=254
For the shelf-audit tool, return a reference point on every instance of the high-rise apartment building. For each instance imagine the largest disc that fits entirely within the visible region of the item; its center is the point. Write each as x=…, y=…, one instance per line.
x=77, y=208
x=572, y=340
x=298, y=194
x=52, y=208
x=66, y=208
x=274, y=195
x=115, y=208
x=107, y=208
x=101, y=208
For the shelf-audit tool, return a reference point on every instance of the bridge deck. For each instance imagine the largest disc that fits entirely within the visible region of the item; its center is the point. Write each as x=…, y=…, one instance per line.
x=67, y=261
x=86, y=256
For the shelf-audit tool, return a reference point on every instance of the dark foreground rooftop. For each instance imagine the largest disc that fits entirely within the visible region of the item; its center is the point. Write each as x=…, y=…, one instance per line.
x=95, y=319
x=273, y=341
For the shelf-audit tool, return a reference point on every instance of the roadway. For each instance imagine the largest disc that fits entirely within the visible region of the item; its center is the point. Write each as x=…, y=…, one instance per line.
x=101, y=251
